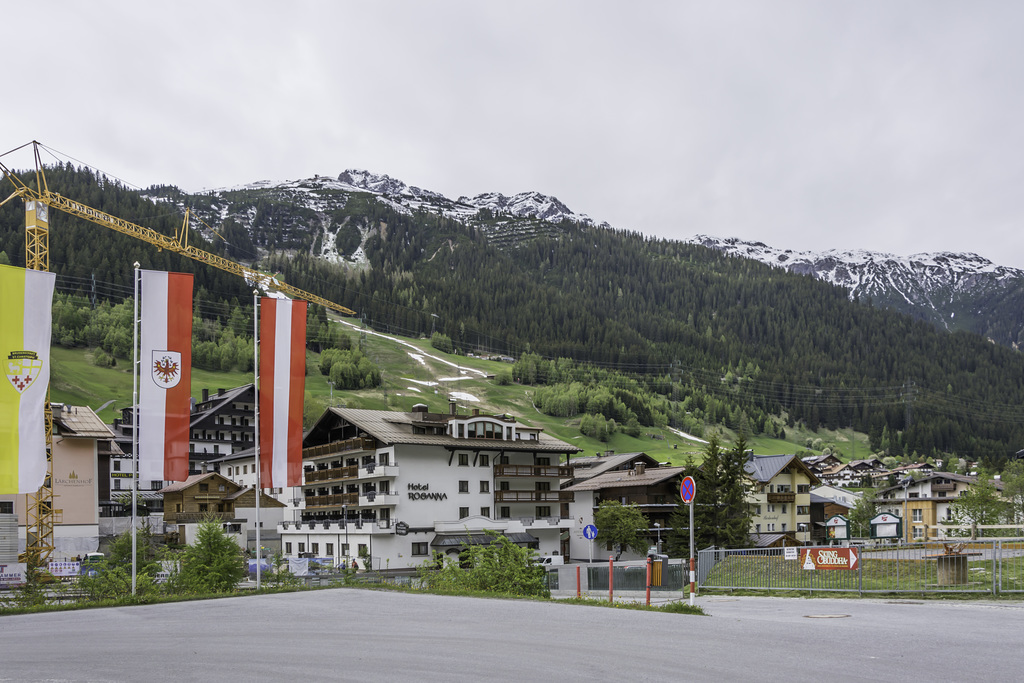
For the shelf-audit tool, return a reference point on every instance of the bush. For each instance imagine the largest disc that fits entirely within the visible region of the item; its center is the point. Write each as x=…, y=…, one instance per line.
x=498, y=567
x=213, y=564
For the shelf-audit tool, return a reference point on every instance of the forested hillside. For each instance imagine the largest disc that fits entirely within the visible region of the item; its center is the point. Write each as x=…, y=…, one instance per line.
x=682, y=320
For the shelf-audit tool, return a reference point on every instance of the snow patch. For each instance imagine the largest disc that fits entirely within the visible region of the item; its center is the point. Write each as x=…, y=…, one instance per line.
x=462, y=396
x=691, y=437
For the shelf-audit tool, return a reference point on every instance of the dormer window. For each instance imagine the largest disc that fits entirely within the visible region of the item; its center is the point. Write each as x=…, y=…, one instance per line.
x=485, y=430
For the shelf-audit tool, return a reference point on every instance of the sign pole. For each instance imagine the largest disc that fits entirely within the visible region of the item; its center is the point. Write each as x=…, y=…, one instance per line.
x=688, y=491
x=692, y=558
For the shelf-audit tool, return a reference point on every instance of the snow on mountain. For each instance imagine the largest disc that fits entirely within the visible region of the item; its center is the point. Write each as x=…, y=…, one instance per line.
x=526, y=205
x=955, y=291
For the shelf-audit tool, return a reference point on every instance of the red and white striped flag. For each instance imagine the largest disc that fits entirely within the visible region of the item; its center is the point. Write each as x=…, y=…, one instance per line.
x=165, y=381
x=282, y=384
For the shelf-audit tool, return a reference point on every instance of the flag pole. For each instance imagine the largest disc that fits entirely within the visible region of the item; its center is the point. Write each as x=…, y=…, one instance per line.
x=135, y=427
x=256, y=421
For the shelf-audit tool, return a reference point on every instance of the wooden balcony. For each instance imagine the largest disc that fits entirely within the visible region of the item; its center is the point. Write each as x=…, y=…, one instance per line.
x=332, y=500
x=948, y=487
x=337, y=447
x=781, y=497
x=535, y=471
x=533, y=497
x=186, y=517
x=333, y=474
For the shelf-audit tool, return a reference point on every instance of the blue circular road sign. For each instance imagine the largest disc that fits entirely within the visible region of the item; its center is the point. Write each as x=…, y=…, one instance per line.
x=590, y=532
x=687, y=490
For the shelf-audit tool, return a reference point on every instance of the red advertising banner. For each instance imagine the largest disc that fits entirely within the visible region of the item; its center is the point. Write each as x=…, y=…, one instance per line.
x=829, y=558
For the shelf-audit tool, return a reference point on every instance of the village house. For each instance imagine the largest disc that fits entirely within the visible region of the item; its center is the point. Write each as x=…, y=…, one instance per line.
x=211, y=496
x=925, y=502
x=780, y=499
x=629, y=478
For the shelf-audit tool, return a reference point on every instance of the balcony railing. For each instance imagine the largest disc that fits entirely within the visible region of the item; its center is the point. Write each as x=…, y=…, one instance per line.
x=185, y=517
x=781, y=497
x=332, y=500
x=333, y=474
x=336, y=447
x=533, y=497
x=551, y=471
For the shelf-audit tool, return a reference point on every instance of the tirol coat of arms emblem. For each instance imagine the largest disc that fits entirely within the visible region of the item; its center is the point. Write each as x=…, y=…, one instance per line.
x=166, y=368
x=22, y=369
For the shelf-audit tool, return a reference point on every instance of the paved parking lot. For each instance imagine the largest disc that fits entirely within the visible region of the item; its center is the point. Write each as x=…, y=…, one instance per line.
x=350, y=634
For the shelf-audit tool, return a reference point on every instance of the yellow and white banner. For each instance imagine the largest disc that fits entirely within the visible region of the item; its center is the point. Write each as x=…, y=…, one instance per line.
x=26, y=297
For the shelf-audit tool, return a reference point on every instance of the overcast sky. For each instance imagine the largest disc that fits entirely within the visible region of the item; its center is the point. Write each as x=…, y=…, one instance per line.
x=889, y=126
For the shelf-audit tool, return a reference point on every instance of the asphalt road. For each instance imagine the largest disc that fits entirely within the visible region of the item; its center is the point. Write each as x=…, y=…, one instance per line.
x=360, y=635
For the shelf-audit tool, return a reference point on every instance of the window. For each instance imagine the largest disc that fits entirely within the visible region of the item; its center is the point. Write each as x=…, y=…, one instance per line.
x=485, y=460
x=344, y=549
x=803, y=488
x=463, y=486
x=783, y=526
x=302, y=547
x=783, y=508
x=543, y=510
x=771, y=527
x=485, y=486
x=203, y=507
x=315, y=547
x=330, y=549
x=803, y=509
x=420, y=549
x=6, y=507
x=203, y=488
x=757, y=528
x=503, y=486
x=117, y=465
x=504, y=512
x=543, y=461
x=221, y=487
x=463, y=459
x=229, y=470
x=288, y=548
x=117, y=484
x=543, y=486
x=485, y=512
x=756, y=510
x=918, y=532
x=362, y=549
x=771, y=507
x=177, y=507
x=245, y=469
x=918, y=515
x=463, y=512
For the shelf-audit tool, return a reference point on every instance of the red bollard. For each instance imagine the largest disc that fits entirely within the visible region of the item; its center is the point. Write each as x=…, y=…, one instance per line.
x=693, y=575
x=648, y=582
x=611, y=575
x=577, y=582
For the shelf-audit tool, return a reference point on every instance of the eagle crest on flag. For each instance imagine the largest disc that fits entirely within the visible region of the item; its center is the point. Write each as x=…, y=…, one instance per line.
x=22, y=369
x=166, y=368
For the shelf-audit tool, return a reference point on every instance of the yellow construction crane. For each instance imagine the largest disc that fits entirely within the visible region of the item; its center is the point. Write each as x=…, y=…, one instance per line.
x=38, y=201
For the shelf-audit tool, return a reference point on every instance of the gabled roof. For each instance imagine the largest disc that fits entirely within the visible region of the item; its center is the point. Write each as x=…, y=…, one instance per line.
x=623, y=478
x=217, y=402
x=392, y=427
x=763, y=468
x=80, y=422
x=964, y=479
x=193, y=479
x=587, y=467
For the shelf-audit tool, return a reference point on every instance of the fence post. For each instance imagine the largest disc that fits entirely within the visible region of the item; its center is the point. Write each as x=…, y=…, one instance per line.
x=611, y=576
x=860, y=572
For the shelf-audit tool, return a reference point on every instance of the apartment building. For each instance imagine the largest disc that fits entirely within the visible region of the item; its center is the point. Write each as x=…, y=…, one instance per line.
x=391, y=488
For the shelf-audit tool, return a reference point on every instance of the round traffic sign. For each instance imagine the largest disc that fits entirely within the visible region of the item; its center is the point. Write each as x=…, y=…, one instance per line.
x=590, y=532
x=687, y=490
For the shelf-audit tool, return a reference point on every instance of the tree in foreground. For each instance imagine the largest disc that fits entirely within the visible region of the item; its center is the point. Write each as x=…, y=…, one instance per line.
x=624, y=526
x=213, y=564
x=721, y=513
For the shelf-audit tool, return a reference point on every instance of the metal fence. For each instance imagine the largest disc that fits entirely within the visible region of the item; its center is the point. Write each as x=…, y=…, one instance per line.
x=634, y=577
x=992, y=567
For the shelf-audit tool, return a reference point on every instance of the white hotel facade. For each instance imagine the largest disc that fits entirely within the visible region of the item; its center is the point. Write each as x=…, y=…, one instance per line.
x=397, y=487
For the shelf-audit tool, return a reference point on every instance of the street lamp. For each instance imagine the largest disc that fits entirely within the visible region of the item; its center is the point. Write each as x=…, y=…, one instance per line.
x=657, y=528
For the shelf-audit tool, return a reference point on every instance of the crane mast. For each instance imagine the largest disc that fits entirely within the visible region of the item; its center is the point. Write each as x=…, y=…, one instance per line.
x=38, y=202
